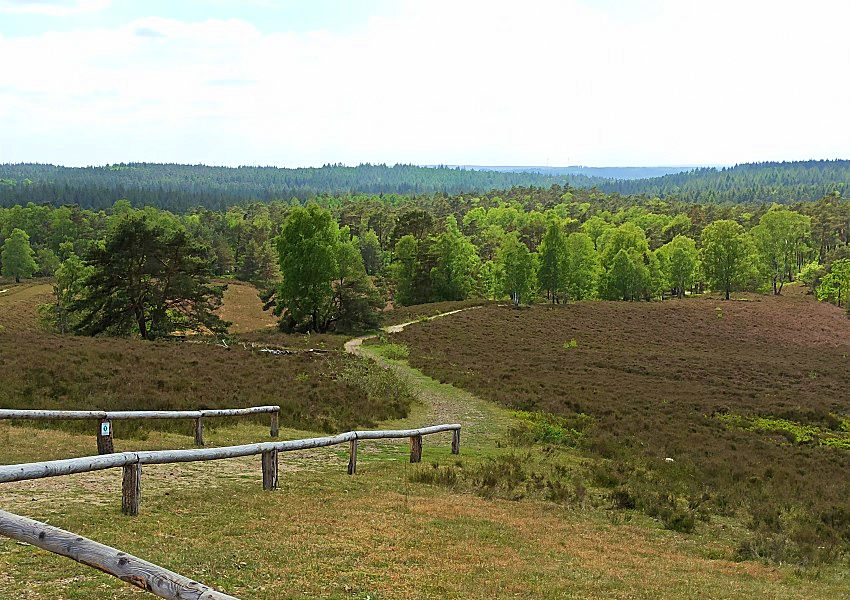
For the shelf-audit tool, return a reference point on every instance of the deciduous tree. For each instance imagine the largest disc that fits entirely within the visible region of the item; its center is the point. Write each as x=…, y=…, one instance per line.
x=551, y=276
x=726, y=255
x=455, y=263
x=17, y=257
x=516, y=270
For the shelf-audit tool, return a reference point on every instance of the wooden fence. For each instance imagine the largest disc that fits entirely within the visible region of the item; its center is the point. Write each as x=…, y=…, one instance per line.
x=132, y=462
x=105, y=418
x=126, y=567
x=145, y=575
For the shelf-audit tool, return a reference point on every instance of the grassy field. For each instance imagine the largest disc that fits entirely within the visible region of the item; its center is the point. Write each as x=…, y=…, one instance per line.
x=516, y=515
x=374, y=535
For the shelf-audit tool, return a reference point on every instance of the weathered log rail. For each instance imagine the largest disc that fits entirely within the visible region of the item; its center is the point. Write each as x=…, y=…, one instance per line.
x=126, y=567
x=131, y=462
x=105, y=418
x=138, y=572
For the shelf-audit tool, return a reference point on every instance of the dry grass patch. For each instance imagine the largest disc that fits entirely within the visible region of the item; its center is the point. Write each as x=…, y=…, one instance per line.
x=373, y=536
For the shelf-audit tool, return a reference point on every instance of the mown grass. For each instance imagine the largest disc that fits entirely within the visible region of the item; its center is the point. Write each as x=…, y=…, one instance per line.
x=376, y=534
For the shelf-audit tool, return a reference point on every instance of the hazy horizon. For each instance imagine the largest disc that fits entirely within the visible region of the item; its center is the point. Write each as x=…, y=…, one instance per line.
x=580, y=82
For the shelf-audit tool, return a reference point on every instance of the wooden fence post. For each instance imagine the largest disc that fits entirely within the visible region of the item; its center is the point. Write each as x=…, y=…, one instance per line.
x=456, y=441
x=270, y=470
x=352, y=457
x=131, y=489
x=415, y=448
x=104, y=437
x=199, y=431
x=275, y=423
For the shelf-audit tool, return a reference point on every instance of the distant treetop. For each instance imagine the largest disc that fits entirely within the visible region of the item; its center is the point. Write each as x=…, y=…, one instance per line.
x=182, y=187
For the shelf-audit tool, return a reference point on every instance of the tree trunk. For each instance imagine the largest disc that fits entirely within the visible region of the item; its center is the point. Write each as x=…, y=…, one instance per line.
x=143, y=330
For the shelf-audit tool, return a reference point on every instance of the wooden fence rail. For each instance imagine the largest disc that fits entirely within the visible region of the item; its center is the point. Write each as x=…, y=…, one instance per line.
x=138, y=572
x=131, y=461
x=105, y=418
x=126, y=567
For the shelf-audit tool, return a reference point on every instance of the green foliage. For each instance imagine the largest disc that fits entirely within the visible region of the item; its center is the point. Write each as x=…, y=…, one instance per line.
x=439, y=261
x=517, y=272
x=595, y=227
x=68, y=288
x=547, y=428
x=488, y=280
x=794, y=432
x=395, y=351
x=570, y=344
x=324, y=283
x=455, y=264
x=679, y=261
x=257, y=264
x=307, y=254
x=582, y=268
x=835, y=285
x=551, y=276
x=17, y=256
x=148, y=277
x=47, y=261
x=780, y=242
x=371, y=252
x=631, y=270
x=405, y=270
x=811, y=274
x=726, y=256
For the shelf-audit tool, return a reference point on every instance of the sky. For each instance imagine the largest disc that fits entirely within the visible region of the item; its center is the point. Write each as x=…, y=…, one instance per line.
x=485, y=82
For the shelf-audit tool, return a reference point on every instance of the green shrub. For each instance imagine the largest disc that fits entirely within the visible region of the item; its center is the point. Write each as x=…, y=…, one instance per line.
x=515, y=475
x=395, y=351
x=546, y=428
x=678, y=519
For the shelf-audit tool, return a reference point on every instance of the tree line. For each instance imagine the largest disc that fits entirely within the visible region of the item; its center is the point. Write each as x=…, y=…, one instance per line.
x=334, y=264
x=181, y=188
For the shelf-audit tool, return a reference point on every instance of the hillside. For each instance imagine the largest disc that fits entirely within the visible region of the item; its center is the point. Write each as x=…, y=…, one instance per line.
x=700, y=408
x=181, y=187
x=325, y=390
x=534, y=522
x=783, y=182
x=603, y=172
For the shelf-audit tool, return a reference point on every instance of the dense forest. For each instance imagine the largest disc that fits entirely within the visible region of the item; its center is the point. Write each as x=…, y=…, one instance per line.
x=334, y=264
x=180, y=188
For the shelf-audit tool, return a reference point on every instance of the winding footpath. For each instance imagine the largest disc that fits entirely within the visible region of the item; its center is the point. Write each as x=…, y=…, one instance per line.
x=482, y=421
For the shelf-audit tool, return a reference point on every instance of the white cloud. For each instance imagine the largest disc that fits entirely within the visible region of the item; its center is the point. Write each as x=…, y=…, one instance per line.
x=53, y=8
x=544, y=81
